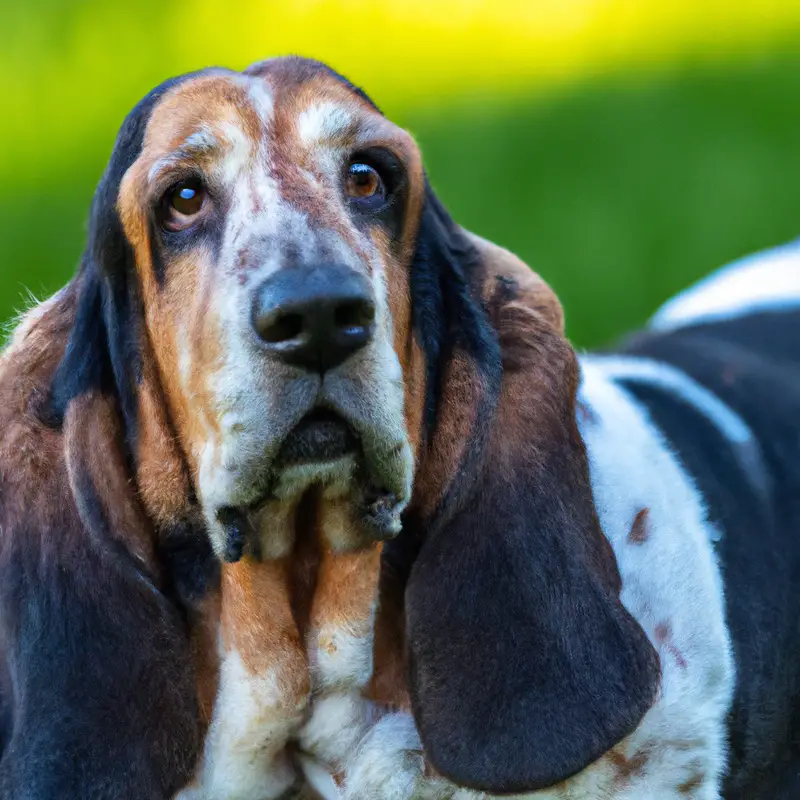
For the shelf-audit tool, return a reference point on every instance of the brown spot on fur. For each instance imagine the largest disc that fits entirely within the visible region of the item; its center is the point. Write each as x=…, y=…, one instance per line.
x=243, y=258
x=205, y=651
x=640, y=529
x=305, y=561
x=389, y=687
x=258, y=202
x=160, y=465
x=460, y=406
x=629, y=768
x=695, y=782
x=346, y=590
x=663, y=635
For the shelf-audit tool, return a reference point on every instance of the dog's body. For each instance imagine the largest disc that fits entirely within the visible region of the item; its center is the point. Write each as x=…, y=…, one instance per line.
x=278, y=348
x=692, y=434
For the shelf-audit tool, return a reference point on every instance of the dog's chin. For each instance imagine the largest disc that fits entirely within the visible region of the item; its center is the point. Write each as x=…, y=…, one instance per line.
x=320, y=457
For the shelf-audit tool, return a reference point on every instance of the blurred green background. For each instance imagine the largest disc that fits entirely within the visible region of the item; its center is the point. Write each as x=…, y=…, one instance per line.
x=623, y=148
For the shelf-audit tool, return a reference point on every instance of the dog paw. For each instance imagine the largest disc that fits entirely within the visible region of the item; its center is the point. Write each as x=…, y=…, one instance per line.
x=337, y=724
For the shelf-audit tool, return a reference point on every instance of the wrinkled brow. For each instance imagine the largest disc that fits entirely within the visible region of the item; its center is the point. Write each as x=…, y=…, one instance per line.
x=200, y=144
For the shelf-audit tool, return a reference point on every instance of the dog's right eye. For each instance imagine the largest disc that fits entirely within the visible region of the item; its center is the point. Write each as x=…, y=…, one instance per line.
x=182, y=204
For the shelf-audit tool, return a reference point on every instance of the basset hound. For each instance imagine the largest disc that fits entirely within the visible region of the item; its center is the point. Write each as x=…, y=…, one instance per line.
x=303, y=490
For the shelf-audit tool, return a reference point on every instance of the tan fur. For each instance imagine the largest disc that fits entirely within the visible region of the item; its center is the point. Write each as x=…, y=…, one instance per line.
x=31, y=458
x=92, y=437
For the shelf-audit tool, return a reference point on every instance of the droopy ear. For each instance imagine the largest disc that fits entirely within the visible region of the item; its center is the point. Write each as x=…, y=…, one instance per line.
x=524, y=666
x=126, y=472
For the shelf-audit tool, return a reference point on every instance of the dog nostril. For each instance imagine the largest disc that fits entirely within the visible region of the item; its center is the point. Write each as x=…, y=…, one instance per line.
x=357, y=314
x=314, y=317
x=282, y=329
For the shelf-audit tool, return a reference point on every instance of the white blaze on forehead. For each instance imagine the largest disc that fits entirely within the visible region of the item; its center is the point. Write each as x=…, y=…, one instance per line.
x=262, y=100
x=240, y=150
x=323, y=121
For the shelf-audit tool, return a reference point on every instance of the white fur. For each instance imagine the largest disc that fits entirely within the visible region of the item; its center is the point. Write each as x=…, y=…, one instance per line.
x=244, y=755
x=671, y=583
x=261, y=99
x=340, y=661
x=339, y=719
x=761, y=282
x=318, y=778
x=238, y=153
x=323, y=121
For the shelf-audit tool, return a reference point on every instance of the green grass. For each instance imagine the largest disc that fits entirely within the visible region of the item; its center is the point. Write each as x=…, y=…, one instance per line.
x=619, y=192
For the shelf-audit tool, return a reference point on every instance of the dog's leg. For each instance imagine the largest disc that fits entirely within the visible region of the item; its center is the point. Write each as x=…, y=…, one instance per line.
x=263, y=686
x=340, y=641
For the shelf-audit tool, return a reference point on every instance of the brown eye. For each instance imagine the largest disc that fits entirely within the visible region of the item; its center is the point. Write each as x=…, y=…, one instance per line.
x=363, y=183
x=182, y=203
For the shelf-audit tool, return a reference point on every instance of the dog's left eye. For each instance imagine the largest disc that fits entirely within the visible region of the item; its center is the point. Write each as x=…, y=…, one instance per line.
x=182, y=203
x=364, y=185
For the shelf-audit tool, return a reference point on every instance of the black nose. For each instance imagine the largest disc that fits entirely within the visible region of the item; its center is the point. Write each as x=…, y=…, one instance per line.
x=314, y=317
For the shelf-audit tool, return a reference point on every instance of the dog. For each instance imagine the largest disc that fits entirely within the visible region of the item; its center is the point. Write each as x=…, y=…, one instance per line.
x=280, y=352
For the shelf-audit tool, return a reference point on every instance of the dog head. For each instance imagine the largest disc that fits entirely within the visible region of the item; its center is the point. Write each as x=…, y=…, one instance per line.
x=248, y=267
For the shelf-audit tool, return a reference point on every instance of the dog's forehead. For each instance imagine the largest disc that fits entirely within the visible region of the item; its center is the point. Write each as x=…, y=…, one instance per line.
x=273, y=101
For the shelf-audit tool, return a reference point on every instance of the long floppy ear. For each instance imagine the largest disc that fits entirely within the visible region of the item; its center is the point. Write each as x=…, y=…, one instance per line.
x=524, y=667
x=90, y=626
x=126, y=472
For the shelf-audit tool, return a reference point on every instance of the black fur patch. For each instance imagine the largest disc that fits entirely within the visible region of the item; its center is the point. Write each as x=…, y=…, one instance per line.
x=445, y=303
x=192, y=568
x=102, y=674
x=6, y=709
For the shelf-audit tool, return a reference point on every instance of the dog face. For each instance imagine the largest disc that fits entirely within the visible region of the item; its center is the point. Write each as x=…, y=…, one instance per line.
x=269, y=213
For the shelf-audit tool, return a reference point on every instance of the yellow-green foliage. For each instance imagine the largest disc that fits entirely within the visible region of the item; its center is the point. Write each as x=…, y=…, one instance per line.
x=621, y=146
